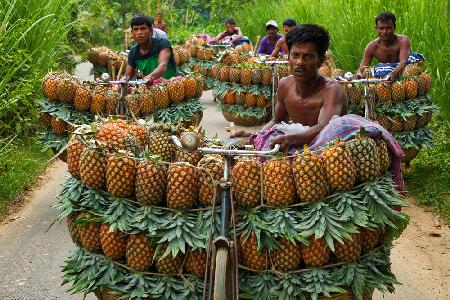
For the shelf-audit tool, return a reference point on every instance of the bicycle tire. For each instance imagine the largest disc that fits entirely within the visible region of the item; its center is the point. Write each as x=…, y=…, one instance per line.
x=220, y=274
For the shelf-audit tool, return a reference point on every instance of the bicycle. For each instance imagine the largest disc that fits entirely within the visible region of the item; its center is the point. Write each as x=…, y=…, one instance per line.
x=225, y=283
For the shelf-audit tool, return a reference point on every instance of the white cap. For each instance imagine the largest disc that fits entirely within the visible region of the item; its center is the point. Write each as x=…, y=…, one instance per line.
x=272, y=23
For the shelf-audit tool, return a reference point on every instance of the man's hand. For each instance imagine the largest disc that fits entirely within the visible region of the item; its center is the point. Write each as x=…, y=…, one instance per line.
x=358, y=76
x=149, y=79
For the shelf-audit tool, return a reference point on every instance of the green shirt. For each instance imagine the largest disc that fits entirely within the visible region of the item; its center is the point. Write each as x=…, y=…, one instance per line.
x=149, y=62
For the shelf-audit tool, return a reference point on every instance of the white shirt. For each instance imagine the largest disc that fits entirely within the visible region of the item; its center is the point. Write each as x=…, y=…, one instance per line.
x=158, y=33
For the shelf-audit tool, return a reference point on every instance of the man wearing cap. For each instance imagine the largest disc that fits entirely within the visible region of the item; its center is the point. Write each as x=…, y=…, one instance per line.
x=270, y=40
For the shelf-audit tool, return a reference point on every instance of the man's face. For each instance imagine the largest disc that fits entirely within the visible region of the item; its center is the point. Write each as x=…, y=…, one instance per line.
x=159, y=17
x=271, y=31
x=141, y=33
x=286, y=29
x=304, y=61
x=385, y=30
x=230, y=27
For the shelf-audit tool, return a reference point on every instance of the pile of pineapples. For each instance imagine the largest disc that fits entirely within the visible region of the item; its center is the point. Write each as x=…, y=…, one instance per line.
x=403, y=107
x=104, y=57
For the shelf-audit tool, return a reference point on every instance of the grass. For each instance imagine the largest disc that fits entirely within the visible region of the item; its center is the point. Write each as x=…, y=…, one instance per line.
x=21, y=163
x=430, y=180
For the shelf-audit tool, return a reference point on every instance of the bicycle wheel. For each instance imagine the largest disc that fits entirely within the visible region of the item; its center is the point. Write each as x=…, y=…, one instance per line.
x=220, y=274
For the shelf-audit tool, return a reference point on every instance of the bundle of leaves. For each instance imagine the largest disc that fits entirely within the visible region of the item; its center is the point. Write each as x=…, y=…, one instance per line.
x=177, y=113
x=244, y=111
x=419, y=138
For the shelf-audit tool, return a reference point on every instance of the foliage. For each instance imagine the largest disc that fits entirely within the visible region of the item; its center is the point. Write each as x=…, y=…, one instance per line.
x=33, y=35
x=429, y=181
x=351, y=27
x=21, y=162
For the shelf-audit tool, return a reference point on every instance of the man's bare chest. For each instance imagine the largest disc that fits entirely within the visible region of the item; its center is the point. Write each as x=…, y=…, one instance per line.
x=387, y=54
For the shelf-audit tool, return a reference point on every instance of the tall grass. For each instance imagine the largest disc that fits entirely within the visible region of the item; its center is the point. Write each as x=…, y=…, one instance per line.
x=351, y=26
x=33, y=34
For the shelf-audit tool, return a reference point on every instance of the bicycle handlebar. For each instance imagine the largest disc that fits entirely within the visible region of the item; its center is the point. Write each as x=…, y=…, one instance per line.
x=229, y=152
x=363, y=80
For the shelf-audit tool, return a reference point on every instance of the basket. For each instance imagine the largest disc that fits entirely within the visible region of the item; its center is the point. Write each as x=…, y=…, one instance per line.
x=367, y=295
x=105, y=293
x=246, y=121
x=410, y=154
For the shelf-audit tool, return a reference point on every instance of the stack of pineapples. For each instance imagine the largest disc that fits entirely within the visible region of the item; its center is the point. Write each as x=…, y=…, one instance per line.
x=403, y=108
x=105, y=60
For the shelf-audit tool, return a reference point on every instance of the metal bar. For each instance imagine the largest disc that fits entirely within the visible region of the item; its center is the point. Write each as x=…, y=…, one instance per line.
x=226, y=198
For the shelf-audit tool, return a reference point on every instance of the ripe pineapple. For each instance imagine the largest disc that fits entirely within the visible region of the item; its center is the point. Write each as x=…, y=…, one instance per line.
x=383, y=92
x=160, y=96
x=121, y=175
x=412, y=70
x=339, y=167
x=250, y=99
x=82, y=98
x=175, y=89
x=369, y=238
x=45, y=119
x=141, y=133
x=133, y=104
x=410, y=88
x=98, y=100
x=235, y=74
x=266, y=76
x=74, y=150
x=116, y=135
x=92, y=167
x=139, y=252
x=409, y=123
x=288, y=257
x=384, y=122
x=160, y=143
x=182, y=186
x=169, y=264
x=151, y=181
x=398, y=91
x=111, y=101
x=89, y=229
x=195, y=263
x=423, y=119
x=210, y=172
x=251, y=257
x=65, y=90
x=229, y=98
x=354, y=94
x=309, y=176
x=317, y=253
x=50, y=85
x=114, y=244
x=73, y=228
x=246, y=75
x=325, y=70
x=350, y=250
x=420, y=85
x=278, y=181
x=383, y=155
x=59, y=126
x=246, y=177
x=396, y=124
x=224, y=74
x=256, y=76
x=199, y=87
x=364, y=152
x=261, y=100
x=190, y=87
x=239, y=98
x=335, y=73
x=426, y=78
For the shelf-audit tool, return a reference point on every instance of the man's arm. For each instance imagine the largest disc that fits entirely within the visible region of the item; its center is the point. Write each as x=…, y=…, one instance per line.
x=280, y=108
x=238, y=36
x=367, y=59
x=405, y=48
x=163, y=62
x=217, y=38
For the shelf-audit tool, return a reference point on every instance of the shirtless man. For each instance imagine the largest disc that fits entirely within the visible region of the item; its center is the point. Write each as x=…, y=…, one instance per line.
x=306, y=97
x=281, y=46
x=388, y=47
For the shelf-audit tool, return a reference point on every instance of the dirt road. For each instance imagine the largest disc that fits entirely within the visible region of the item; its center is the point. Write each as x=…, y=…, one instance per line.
x=30, y=257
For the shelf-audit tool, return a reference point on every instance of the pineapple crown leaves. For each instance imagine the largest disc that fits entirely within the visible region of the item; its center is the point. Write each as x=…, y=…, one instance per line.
x=88, y=219
x=148, y=220
x=286, y=222
x=178, y=113
x=67, y=198
x=352, y=275
x=326, y=286
x=289, y=287
x=179, y=229
x=351, y=207
x=324, y=221
x=258, y=286
x=244, y=111
x=119, y=215
x=415, y=139
x=168, y=287
x=253, y=222
x=50, y=140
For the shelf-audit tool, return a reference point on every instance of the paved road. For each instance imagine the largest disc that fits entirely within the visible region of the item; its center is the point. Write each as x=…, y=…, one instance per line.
x=30, y=257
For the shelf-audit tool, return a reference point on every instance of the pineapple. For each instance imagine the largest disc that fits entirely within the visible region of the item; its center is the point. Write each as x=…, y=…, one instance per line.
x=160, y=96
x=229, y=98
x=98, y=100
x=246, y=177
x=369, y=238
x=251, y=257
x=133, y=104
x=168, y=264
x=383, y=155
x=350, y=250
x=59, y=126
x=288, y=257
x=199, y=87
x=335, y=73
x=215, y=71
x=420, y=85
x=121, y=175
x=239, y=98
x=261, y=100
x=160, y=143
x=224, y=74
x=364, y=152
x=423, y=119
x=339, y=167
x=325, y=71
x=309, y=176
x=111, y=101
x=73, y=228
x=175, y=89
x=195, y=263
x=45, y=119
x=409, y=123
x=256, y=76
x=317, y=253
x=412, y=70
x=92, y=168
x=151, y=181
x=116, y=135
x=398, y=92
x=383, y=92
x=246, y=75
x=235, y=74
x=190, y=87
x=141, y=134
x=82, y=98
x=354, y=94
x=190, y=157
x=114, y=244
x=266, y=76
x=384, y=122
x=426, y=78
x=182, y=186
x=50, y=85
x=250, y=100
x=65, y=90
x=210, y=172
x=278, y=181
x=74, y=150
x=89, y=230
x=396, y=124
x=410, y=89
x=139, y=252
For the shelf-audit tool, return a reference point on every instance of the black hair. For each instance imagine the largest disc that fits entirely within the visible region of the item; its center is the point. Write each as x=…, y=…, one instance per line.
x=230, y=21
x=141, y=19
x=271, y=26
x=289, y=23
x=309, y=33
x=385, y=16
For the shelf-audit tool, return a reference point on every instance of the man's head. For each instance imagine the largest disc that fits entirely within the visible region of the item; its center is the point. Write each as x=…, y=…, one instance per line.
x=288, y=24
x=141, y=28
x=307, y=45
x=230, y=24
x=385, y=25
x=159, y=16
x=271, y=28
